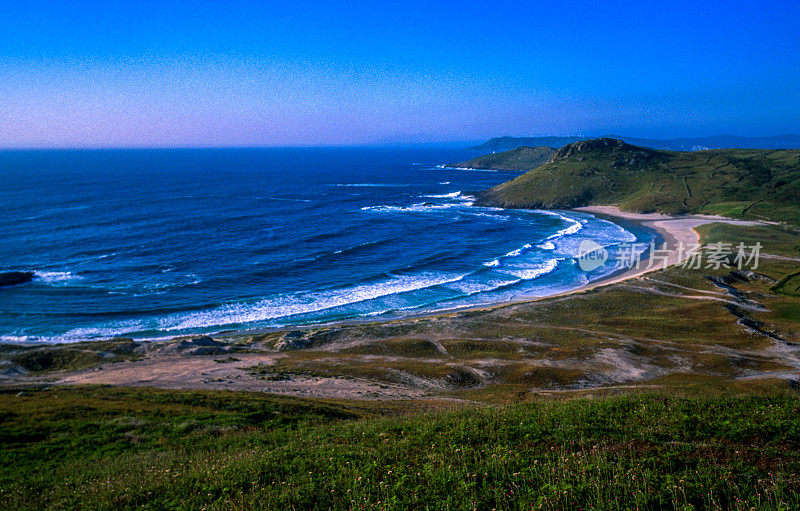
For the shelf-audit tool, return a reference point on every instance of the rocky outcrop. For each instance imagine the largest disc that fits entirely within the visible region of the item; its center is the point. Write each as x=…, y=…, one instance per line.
x=12, y=278
x=200, y=345
x=598, y=144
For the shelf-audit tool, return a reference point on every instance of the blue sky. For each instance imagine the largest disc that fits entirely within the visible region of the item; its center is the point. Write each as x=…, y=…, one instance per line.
x=96, y=74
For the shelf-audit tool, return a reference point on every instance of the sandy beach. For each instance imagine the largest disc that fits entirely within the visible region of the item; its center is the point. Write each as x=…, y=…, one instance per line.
x=675, y=231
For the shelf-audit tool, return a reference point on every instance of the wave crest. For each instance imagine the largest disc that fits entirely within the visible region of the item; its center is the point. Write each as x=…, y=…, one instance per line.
x=534, y=272
x=52, y=277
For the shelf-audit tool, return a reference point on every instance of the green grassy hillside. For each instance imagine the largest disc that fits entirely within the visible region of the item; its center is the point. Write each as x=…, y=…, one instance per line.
x=749, y=183
x=106, y=448
x=520, y=159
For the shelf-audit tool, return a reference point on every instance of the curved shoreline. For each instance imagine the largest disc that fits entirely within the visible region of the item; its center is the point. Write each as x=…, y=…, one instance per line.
x=657, y=233
x=169, y=367
x=671, y=231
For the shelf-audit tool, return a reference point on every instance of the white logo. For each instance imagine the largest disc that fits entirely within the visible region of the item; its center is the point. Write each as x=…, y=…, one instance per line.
x=591, y=255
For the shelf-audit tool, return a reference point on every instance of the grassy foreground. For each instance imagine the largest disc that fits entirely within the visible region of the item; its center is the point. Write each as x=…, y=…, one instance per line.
x=110, y=448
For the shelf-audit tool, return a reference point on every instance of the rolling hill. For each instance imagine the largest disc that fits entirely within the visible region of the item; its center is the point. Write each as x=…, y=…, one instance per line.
x=498, y=144
x=749, y=183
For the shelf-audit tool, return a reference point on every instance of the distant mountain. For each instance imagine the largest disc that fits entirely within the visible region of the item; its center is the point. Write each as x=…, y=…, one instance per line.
x=749, y=183
x=675, y=144
x=519, y=159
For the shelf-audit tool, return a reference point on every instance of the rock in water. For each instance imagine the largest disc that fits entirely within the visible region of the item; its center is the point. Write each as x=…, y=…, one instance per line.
x=12, y=278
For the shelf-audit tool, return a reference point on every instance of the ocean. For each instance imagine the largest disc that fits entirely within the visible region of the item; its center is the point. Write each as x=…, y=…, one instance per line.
x=160, y=243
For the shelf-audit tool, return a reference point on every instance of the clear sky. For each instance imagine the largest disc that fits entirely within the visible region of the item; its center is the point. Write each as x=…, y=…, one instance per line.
x=232, y=73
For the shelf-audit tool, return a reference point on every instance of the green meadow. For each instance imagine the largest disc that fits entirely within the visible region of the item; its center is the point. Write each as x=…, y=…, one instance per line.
x=107, y=448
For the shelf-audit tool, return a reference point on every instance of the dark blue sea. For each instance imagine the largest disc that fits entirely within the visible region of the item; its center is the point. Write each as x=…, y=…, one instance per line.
x=157, y=243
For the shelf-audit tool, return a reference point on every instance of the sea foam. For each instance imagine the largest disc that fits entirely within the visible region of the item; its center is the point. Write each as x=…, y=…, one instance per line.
x=304, y=303
x=52, y=277
x=535, y=271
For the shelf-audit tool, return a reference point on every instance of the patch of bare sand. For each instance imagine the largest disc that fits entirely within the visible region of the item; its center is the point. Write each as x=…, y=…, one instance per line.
x=204, y=372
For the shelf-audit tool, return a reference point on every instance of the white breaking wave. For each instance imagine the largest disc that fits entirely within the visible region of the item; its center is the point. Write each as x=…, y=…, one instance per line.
x=416, y=208
x=489, y=215
x=360, y=245
x=470, y=288
x=51, y=277
x=473, y=285
x=573, y=227
x=107, y=330
x=452, y=195
x=627, y=235
x=372, y=185
x=519, y=251
x=514, y=253
x=303, y=303
x=22, y=339
x=467, y=168
x=534, y=272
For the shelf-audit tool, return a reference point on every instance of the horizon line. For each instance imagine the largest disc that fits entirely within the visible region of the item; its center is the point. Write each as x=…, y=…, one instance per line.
x=357, y=145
